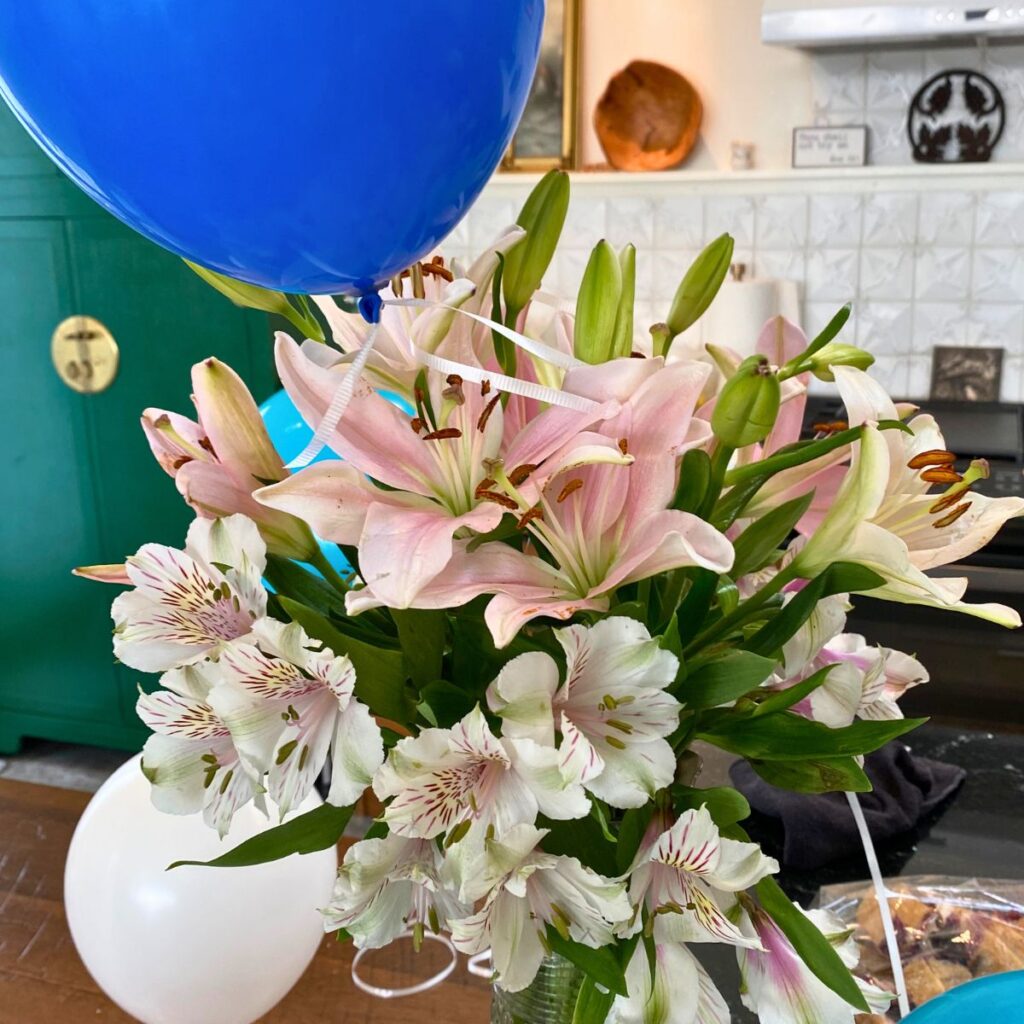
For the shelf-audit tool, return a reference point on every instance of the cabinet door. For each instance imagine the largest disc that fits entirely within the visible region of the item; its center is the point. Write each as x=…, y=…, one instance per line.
x=55, y=637
x=84, y=487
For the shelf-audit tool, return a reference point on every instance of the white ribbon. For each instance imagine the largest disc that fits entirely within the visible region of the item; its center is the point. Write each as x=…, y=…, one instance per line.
x=411, y=990
x=882, y=895
x=476, y=374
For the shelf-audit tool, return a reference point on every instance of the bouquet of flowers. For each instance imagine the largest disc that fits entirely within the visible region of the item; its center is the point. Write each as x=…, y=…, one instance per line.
x=569, y=561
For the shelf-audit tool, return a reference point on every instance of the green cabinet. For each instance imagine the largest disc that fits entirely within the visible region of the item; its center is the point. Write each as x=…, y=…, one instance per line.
x=80, y=485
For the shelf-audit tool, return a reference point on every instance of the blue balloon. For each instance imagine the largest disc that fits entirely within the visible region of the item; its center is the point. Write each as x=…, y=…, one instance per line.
x=996, y=998
x=318, y=146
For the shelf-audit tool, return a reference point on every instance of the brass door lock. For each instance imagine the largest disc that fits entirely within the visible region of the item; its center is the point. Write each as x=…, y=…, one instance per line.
x=84, y=354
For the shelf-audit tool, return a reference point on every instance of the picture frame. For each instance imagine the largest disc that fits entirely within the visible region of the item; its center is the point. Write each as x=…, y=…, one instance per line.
x=966, y=374
x=547, y=135
x=830, y=146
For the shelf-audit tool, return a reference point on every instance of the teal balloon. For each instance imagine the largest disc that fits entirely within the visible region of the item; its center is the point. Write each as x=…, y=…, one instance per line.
x=316, y=146
x=998, y=997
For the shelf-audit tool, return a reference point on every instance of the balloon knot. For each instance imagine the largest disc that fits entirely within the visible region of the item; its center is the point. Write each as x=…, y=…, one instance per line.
x=370, y=306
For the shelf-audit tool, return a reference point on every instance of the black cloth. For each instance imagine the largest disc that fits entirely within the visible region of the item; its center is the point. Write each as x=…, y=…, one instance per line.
x=819, y=828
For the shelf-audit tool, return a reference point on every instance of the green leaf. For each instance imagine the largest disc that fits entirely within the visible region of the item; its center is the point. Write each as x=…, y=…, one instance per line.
x=288, y=577
x=600, y=965
x=254, y=297
x=631, y=833
x=421, y=634
x=839, y=578
x=830, y=331
x=811, y=946
x=592, y=1004
x=600, y=814
x=789, y=737
x=821, y=775
x=582, y=838
x=699, y=286
x=622, y=336
x=542, y=216
x=694, y=480
x=380, y=673
x=315, y=830
x=446, y=703
x=725, y=804
x=694, y=607
x=725, y=679
x=504, y=350
x=757, y=544
x=783, y=700
x=597, y=305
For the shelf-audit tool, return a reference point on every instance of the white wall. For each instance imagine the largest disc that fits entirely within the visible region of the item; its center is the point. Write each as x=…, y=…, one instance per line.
x=751, y=92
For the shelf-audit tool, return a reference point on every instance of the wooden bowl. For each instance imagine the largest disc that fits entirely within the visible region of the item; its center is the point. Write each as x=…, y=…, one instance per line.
x=648, y=118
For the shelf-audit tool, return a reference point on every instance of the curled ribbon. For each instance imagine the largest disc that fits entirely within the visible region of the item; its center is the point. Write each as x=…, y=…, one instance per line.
x=499, y=381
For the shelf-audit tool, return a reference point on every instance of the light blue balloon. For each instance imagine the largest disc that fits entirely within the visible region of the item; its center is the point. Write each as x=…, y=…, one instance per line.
x=316, y=146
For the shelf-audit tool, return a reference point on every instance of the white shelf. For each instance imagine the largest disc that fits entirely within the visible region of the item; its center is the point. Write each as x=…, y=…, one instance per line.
x=921, y=177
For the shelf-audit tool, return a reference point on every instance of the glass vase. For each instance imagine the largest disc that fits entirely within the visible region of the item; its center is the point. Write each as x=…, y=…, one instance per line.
x=549, y=999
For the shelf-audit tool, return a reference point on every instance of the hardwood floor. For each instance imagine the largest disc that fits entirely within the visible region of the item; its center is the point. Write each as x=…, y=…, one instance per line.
x=42, y=980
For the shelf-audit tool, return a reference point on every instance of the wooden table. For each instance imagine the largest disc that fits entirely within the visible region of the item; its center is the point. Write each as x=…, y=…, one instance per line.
x=42, y=980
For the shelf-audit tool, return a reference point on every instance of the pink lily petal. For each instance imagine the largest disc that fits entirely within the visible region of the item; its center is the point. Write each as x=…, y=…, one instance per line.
x=417, y=541
x=373, y=435
x=669, y=540
x=174, y=439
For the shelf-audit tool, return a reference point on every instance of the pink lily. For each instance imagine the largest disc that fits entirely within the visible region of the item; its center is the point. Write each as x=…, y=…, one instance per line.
x=605, y=525
x=434, y=466
x=220, y=460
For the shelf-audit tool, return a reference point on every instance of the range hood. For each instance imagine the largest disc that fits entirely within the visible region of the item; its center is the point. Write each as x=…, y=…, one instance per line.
x=824, y=23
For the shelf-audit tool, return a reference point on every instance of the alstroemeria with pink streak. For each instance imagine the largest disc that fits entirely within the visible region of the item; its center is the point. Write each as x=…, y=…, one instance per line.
x=218, y=460
x=433, y=469
x=604, y=525
x=780, y=988
x=190, y=604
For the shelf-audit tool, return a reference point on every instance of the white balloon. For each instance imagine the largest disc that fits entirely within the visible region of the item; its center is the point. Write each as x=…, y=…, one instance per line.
x=194, y=945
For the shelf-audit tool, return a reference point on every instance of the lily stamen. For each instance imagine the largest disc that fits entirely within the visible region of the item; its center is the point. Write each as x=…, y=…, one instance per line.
x=499, y=499
x=570, y=488
x=951, y=517
x=444, y=434
x=933, y=457
x=481, y=423
x=941, y=475
x=529, y=516
x=521, y=474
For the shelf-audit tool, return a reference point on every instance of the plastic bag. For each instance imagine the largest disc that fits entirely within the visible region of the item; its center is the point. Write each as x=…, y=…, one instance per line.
x=949, y=930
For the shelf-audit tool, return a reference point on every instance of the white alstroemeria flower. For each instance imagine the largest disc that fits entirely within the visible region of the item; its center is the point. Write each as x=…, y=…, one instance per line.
x=445, y=777
x=884, y=518
x=525, y=890
x=613, y=711
x=682, y=992
x=682, y=874
x=386, y=886
x=187, y=605
x=864, y=681
x=287, y=703
x=190, y=760
x=779, y=987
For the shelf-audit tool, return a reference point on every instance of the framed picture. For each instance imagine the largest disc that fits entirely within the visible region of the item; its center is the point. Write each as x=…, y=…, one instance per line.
x=841, y=146
x=546, y=136
x=966, y=374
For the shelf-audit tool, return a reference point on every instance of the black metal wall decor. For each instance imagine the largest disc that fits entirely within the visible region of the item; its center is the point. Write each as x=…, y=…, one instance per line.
x=957, y=116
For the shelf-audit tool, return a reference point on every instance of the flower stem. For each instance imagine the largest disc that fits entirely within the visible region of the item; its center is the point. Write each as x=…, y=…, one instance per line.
x=729, y=622
x=329, y=573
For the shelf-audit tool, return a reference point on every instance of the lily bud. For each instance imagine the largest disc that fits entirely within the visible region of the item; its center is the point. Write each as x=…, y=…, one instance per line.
x=748, y=404
x=542, y=217
x=838, y=354
x=597, y=306
x=254, y=297
x=622, y=336
x=699, y=287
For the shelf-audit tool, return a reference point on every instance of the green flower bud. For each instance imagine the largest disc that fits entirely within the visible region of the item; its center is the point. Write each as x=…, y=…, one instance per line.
x=622, y=336
x=838, y=354
x=597, y=306
x=542, y=217
x=748, y=404
x=699, y=287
